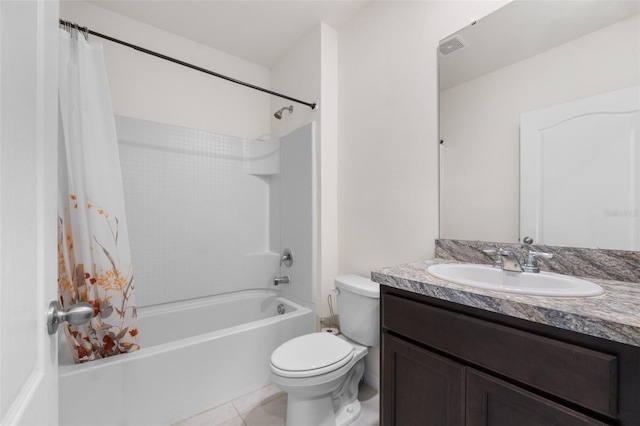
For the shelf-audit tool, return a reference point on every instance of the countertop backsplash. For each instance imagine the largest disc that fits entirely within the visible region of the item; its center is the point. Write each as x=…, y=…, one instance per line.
x=618, y=265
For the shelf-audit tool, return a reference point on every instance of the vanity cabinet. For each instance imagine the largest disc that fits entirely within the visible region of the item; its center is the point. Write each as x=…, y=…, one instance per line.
x=491, y=401
x=444, y=364
x=428, y=389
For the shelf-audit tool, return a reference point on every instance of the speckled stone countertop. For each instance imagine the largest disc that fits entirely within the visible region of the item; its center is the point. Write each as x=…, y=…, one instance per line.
x=614, y=315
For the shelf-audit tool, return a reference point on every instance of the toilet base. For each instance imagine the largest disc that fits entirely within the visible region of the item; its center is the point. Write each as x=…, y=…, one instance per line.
x=349, y=414
x=319, y=412
x=307, y=411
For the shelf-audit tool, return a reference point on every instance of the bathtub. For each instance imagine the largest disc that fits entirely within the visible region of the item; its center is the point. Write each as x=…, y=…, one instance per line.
x=195, y=355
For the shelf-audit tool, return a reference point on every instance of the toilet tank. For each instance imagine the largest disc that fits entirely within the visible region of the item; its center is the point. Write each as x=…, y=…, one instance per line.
x=359, y=309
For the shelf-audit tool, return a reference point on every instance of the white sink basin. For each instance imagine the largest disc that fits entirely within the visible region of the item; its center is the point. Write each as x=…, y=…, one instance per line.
x=540, y=284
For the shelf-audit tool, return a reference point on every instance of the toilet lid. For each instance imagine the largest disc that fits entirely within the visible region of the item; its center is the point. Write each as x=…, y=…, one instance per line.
x=311, y=354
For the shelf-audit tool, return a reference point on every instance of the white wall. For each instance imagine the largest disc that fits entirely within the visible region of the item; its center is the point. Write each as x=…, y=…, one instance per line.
x=328, y=170
x=481, y=118
x=377, y=132
x=309, y=72
x=388, y=130
x=153, y=89
x=298, y=75
x=388, y=133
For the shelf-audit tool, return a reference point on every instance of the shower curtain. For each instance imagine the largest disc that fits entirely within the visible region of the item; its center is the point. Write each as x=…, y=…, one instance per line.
x=94, y=261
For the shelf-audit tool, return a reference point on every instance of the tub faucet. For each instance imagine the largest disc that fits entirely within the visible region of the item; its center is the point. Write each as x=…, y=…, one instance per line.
x=281, y=280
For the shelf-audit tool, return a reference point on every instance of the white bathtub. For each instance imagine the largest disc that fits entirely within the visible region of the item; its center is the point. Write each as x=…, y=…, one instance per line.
x=196, y=355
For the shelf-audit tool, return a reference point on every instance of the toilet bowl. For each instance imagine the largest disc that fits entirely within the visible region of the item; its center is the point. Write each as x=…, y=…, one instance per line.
x=321, y=372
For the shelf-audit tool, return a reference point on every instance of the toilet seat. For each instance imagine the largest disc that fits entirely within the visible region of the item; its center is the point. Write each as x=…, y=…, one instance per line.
x=311, y=355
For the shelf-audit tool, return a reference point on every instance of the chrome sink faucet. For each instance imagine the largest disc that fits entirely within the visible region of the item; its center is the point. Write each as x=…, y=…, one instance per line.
x=497, y=261
x=508, y=260
x=531, y=262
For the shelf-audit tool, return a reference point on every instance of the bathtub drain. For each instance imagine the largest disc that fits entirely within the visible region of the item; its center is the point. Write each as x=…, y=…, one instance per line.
x=281, y=309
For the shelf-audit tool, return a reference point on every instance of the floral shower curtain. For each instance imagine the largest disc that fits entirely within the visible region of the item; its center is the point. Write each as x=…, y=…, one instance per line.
x=93, y=243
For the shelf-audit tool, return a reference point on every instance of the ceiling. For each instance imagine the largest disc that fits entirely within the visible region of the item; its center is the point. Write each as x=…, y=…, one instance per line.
x=522, y=29
x=259, y=31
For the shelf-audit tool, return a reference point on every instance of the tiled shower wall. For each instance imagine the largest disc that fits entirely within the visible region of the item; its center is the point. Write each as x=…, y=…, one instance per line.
x=198, y=211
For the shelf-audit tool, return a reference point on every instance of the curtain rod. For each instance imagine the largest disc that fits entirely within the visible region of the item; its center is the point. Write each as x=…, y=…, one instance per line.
x=185, y=64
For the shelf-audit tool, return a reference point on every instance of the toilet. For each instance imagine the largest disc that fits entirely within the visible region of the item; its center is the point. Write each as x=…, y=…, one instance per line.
x=321, y=372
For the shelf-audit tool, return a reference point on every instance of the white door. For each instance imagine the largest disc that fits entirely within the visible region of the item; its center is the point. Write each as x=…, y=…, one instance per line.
x=580, y=172
x=28, y=235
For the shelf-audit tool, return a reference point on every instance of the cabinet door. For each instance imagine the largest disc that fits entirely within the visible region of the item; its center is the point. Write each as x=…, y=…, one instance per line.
x=492, y=402
x=420, y=387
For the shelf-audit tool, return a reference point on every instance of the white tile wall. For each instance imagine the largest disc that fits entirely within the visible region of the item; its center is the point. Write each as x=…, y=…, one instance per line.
x=198, y=223
x=210, y=214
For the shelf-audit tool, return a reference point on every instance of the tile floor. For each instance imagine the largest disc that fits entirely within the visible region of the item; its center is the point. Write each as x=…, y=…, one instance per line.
x=268, y=406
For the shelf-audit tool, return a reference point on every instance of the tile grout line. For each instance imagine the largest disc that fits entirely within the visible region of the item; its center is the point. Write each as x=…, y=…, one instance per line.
x=266, y=400
x=244, y=423
x=239, y=413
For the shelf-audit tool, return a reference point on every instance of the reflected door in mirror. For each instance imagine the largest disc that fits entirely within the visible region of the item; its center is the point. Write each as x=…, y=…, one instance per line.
x=580, y=172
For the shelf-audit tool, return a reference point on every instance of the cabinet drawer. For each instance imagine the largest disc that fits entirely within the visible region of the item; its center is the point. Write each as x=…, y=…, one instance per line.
x=583, y=376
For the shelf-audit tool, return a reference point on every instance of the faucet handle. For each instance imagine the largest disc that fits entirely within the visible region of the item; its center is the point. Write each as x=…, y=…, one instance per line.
x=497, y=261
x=287, y=257
x=531, y=256
x=531, y=262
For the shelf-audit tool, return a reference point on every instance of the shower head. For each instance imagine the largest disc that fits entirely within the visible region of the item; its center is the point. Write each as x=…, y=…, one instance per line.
x=278, y=113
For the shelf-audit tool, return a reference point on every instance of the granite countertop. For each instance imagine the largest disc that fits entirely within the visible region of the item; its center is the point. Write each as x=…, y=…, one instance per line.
x=615, y=315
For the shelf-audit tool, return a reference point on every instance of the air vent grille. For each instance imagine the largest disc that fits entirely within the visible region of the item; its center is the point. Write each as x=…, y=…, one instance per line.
x=449, y=46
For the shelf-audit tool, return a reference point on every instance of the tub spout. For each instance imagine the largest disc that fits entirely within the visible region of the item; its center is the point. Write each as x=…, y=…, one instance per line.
x=281, y=280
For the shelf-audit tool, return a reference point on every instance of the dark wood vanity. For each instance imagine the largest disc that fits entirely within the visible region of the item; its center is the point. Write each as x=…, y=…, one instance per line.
x=446, y=364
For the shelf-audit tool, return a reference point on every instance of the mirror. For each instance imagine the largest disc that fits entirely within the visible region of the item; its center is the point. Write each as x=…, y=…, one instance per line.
x=526, y=56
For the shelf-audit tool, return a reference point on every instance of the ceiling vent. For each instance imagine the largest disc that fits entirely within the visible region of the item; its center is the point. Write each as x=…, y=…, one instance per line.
x=451, y=45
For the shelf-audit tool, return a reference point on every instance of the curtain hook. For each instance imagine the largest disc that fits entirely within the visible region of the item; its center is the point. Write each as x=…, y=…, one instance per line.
x=85, y=32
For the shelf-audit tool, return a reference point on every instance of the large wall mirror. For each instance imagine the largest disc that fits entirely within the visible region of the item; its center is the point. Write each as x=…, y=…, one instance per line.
x=524, y=58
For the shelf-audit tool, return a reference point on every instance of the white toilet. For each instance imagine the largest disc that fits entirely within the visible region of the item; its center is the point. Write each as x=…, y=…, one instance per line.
x=321, y=372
